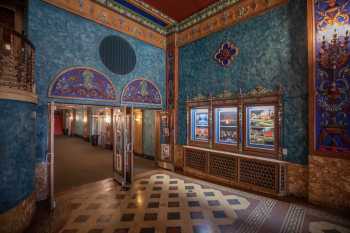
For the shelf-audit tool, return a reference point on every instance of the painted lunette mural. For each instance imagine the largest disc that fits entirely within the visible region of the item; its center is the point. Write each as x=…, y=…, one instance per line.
x=141, y=92
x=82, y=83
x=331, y=85
x=272, y=53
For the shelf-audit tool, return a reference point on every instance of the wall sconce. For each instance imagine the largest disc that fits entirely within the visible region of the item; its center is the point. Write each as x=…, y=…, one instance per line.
x=108, y=119
x=8, y=47
x=85, y=119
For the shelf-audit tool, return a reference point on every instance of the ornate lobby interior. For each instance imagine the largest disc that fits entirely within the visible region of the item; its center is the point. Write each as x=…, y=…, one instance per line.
x=174, y=116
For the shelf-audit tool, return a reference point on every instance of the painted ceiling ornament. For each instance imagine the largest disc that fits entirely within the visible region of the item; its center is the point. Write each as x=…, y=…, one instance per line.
x=226, y=53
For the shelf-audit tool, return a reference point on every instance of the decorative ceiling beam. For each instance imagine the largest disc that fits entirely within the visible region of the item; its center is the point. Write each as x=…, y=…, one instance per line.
x=236, y=13
x=100, y=14
x=153, y=11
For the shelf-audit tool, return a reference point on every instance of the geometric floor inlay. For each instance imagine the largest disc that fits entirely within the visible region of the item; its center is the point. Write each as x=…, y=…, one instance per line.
x=165, y=202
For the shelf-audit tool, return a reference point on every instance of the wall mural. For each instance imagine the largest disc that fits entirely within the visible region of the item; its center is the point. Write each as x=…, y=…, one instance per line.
x=332, y=92
x=82, y=83
x=170, y=67
x=226, y=53
x=141, y=92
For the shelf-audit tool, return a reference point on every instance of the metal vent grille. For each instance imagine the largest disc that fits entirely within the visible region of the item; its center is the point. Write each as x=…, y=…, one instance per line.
x=117, y=55
x=223, y=166
x=259, y=173
x=196, y=159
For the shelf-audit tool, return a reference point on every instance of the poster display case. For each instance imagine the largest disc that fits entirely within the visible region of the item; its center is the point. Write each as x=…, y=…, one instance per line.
x=261, y=126
x=199, y=124
x=226, y=124
x=245, y=124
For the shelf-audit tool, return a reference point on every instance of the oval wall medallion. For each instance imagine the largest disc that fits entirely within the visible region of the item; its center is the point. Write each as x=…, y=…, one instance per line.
x=117, y=55
x=141, y=92
x=82, y=83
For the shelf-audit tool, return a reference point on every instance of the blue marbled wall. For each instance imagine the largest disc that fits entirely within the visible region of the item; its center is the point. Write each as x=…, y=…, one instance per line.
x=17, y=152
x=149, y=137
x=273, y=51
x=64, y=40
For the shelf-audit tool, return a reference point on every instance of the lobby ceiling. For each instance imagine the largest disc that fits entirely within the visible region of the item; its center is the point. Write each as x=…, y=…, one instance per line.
x=179, y=10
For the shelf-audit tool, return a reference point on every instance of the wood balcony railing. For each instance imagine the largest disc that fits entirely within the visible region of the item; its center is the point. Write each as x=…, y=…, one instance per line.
x=16, y=62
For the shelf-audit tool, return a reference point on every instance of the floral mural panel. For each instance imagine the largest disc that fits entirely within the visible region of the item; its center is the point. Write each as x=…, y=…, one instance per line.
x=82, y=83
x=332, y=82
x=141, y=92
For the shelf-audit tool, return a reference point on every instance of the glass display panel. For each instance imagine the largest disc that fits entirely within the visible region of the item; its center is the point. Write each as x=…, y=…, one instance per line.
x=226, y=125
x=260, y=126
x=199, y=121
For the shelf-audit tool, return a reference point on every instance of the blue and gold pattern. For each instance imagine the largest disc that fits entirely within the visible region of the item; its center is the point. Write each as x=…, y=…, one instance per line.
x=82, y=83
x=332, y=76
x=141, y=92
x=226, y=53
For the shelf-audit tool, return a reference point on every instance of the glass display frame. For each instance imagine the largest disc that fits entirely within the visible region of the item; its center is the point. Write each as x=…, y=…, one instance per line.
x=226, y=123
x=266, y=126
x=199, y=124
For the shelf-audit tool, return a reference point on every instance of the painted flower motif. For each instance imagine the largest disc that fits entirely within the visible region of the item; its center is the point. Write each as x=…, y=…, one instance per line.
x=226, y=53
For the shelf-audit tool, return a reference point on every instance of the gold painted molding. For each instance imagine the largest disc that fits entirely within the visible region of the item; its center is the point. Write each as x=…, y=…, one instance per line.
x=19, y=95
x=228, y=17
x=98, y=13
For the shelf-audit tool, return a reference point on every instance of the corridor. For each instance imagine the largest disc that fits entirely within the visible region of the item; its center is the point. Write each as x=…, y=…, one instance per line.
x=77, y=162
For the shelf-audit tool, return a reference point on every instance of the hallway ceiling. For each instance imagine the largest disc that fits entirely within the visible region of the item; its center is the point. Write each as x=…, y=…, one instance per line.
x=181, y=9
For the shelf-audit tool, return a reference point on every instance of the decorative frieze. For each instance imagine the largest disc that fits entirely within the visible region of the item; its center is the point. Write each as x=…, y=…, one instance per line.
x=228, y=17
x=107, y=17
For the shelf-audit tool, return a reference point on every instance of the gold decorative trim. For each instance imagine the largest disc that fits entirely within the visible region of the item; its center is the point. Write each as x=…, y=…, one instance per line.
x=17, y=219
x=228, y=17
x=152, y=11
x=98, y=13
x=19, y=95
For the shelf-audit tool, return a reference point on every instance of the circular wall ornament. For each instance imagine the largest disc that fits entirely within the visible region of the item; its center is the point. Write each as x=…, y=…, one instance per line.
x=117, y=55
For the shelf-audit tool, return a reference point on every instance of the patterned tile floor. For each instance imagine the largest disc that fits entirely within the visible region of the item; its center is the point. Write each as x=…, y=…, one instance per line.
x=161, y=201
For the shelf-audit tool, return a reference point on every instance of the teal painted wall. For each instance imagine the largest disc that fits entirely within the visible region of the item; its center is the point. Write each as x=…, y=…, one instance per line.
x=149, y=137
x=273, y=51
x=17, y=152
x=64, y=40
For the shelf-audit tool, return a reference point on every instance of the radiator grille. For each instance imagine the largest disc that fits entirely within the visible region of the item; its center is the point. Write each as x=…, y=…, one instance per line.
x=258, y=173
x=196, y=159
x=223, y=166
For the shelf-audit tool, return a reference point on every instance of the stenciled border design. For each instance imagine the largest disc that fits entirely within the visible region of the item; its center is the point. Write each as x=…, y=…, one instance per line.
x=101, y=14
x=235, y=13
x=53, y=82
x=141, y=103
